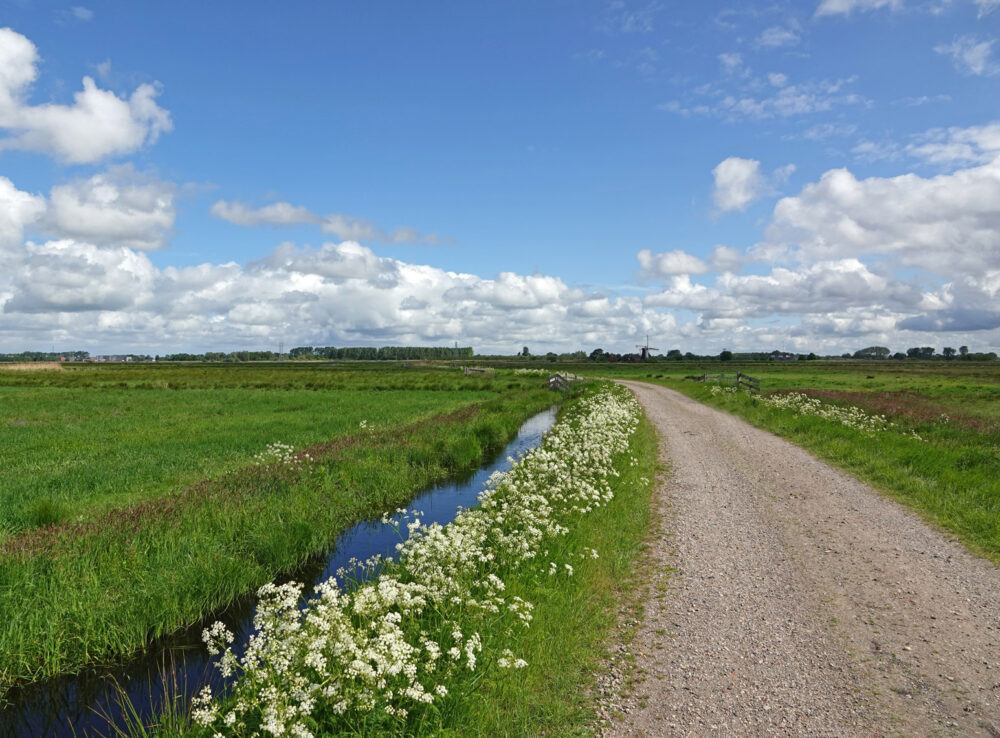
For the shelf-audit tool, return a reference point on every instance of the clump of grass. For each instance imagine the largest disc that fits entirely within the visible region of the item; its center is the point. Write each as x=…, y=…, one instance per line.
x=45, y=512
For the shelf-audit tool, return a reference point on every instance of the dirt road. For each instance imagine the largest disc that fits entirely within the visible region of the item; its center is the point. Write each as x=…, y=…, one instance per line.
x=803, y=602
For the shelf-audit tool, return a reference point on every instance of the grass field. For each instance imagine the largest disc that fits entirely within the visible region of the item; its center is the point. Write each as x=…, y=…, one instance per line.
x=937, y=451
x=133, y=499
x=72, y=452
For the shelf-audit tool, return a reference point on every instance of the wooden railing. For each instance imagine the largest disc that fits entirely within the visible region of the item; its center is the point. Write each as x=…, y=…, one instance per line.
x=745, y=380
x=739, y=379
x=561, y=383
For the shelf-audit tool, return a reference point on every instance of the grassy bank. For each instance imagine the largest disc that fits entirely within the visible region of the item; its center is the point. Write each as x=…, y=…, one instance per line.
x=104, y=581
x=573, y=621
x=489, y=626
x=88, y=439
x=927, y=433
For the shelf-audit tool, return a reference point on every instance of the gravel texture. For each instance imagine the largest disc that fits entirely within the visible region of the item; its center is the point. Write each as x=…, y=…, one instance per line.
x=798, y=601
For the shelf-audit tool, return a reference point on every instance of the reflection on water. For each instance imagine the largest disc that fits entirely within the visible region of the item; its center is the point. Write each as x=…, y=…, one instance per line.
x=86, y=704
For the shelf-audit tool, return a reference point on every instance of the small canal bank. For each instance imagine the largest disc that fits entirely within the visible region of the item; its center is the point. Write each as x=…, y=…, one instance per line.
x=87, y=704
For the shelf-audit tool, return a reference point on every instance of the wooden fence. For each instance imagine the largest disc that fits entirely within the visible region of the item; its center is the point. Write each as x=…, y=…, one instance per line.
x=739, y=379
x=558, y=382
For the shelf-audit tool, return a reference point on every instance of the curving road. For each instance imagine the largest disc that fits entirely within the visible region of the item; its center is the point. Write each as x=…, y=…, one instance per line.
x=803, y=602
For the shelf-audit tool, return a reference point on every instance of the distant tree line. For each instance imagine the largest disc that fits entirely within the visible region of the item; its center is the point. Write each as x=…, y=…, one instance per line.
x=876, y=353
x=321, y=353
x=233, y=357
x=385, y=353
x=414, y=353
x=46, y=356
x=600, y=355
x=925, y=353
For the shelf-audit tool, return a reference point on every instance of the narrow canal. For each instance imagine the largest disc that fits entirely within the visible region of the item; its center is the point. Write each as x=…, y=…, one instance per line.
x=176, y=667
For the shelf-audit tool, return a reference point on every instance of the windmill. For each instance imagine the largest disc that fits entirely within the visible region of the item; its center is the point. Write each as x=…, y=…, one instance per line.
x=644, y=356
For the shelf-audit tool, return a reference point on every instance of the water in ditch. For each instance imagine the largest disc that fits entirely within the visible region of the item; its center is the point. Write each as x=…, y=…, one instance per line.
x=89, y=704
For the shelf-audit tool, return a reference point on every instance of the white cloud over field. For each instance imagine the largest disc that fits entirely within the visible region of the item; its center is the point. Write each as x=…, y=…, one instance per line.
x=95, y=287
x=882, y=259
x=96, y=125
x=337, y=294
x=118, y=207
x=846, y=261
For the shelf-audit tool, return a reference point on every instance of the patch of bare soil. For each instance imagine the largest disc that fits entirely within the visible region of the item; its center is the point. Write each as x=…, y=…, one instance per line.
x=31, y=366
x=803, y=603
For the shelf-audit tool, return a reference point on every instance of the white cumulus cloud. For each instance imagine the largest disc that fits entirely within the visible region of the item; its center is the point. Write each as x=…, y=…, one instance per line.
x=118, y=207
x=738, y=182
x=96, y=125
x=670, y=263
x=17, y=210
x=336, y=294
x=67, y=276
x=899, y=261
x=948, y=224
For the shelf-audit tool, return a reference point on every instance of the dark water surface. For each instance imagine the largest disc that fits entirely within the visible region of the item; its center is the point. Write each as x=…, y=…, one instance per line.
x=81, y=705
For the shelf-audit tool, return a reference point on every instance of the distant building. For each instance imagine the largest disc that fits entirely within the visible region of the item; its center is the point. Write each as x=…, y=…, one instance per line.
x=111, y=358
x=782, y=356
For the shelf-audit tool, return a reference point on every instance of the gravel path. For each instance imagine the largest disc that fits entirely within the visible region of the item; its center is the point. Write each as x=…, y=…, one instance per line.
x=802, y=602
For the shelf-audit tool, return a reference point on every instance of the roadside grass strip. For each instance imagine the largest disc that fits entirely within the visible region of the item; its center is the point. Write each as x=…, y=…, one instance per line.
x=405, y=652
x=850, y=416
x=798, y=403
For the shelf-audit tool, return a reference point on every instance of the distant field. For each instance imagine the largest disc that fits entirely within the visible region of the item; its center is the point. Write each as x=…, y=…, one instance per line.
x=80, y=442
x=133, y=500
x=938, y=450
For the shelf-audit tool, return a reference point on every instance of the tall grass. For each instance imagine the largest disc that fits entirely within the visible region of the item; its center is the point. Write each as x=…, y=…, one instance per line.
x=99, y=589
x=98, y=446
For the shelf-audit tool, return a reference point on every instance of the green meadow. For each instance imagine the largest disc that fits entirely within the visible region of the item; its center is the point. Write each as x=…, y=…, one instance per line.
x=81, y=441
x=134, y=499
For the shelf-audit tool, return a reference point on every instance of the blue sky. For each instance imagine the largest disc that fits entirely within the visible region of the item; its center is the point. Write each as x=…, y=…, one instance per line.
x=817, y=176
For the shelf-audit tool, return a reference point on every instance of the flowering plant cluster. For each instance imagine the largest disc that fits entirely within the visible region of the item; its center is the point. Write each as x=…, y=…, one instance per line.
x=385, y=654
x=717, y=390
x=280, y=454
x=851, y=416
